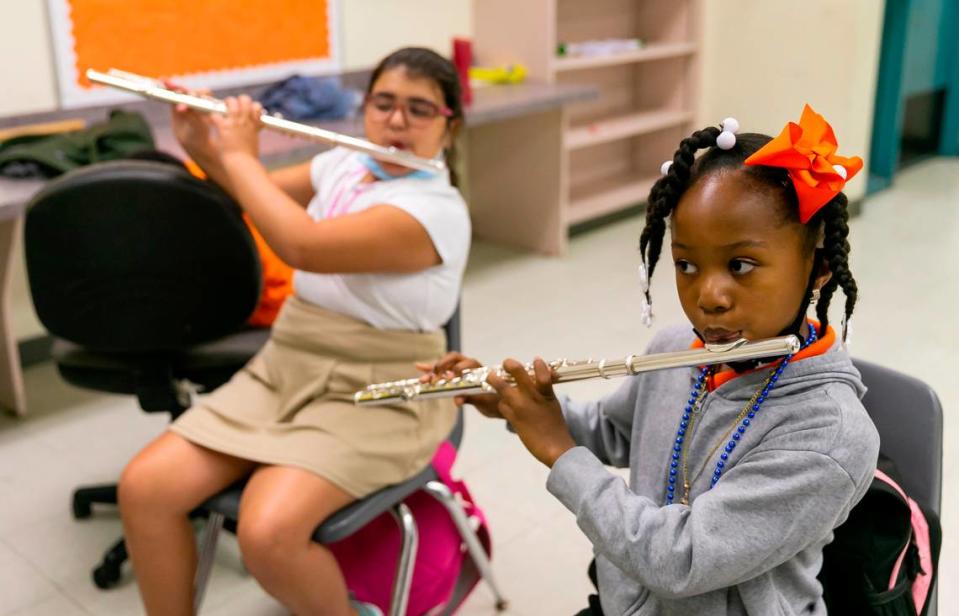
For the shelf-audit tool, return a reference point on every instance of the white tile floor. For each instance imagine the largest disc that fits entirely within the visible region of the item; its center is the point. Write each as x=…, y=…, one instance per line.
x=905, y=246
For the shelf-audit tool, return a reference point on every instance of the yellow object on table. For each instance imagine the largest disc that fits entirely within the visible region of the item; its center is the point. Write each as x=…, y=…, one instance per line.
x=513, y=73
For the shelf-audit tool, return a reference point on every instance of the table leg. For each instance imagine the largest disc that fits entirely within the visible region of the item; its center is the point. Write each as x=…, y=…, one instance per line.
x=12, y=396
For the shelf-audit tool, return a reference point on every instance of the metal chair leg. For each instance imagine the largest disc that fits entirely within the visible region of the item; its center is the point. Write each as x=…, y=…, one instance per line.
x=205, y=561
x=442, y=493
x=404, y=568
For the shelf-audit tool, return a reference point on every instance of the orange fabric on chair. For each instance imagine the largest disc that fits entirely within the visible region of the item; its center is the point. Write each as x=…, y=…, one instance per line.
x=277, y=281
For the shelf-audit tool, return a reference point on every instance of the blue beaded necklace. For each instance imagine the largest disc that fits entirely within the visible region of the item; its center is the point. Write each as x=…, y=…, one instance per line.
x=697, y=396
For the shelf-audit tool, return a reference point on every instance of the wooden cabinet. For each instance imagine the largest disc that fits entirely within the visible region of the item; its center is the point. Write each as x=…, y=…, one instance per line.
x=613, y=145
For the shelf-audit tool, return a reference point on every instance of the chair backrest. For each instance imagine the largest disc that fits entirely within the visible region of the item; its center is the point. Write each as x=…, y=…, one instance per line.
x=454, y=342
x=139, y=256
x=908, y=415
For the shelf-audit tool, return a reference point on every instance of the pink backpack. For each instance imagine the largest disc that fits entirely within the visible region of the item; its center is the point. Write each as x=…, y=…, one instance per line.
x=368, y=557
x=923, y=546
x=883, y=559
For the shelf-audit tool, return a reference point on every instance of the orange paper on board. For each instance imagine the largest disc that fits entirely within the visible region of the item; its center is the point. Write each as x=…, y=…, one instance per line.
x=162, y=38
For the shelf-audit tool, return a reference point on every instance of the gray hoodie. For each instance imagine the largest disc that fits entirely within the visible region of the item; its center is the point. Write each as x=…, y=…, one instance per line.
x=751, y=545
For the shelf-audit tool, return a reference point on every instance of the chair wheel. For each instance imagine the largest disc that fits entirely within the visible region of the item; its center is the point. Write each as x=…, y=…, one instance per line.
x=106, y=575
x=81, y=509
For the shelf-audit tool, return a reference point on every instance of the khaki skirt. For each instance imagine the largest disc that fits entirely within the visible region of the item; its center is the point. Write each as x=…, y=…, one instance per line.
x=292, y=404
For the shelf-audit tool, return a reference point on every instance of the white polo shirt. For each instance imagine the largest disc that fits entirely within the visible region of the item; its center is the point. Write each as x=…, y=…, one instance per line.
x=421, y=301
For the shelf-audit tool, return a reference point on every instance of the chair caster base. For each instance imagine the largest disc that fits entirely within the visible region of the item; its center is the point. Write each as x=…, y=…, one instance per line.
x=106, y=575
x=81, y=510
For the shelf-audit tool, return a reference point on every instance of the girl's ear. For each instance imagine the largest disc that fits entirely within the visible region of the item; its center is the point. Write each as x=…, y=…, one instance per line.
x=452, y=129
x=823, y=274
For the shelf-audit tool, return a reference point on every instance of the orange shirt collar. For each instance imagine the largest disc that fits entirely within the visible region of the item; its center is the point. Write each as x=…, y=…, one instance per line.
x=820, y=346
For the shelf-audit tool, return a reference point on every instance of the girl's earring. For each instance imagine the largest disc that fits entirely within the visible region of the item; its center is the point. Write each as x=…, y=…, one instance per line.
x=814, y=297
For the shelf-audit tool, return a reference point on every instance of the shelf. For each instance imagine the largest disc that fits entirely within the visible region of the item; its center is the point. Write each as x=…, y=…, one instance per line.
x=628, y=125
x=607, y=196
x=658, y=51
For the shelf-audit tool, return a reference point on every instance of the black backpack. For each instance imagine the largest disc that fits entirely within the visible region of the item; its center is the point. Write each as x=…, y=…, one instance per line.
x=884, y=558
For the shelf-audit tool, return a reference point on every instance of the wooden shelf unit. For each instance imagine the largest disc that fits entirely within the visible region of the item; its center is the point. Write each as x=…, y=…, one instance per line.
x=612, y=145
x=607, y=196
x=619, y=127
x=662, y=51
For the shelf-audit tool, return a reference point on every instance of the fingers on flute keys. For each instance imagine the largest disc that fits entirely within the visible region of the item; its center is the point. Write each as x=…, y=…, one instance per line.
x=450, y=365
x=181, y=107
x=242, y=109
x=455, y=364
x=536, y=388
x=508, y=393
x=537, y=385
x=543, y=375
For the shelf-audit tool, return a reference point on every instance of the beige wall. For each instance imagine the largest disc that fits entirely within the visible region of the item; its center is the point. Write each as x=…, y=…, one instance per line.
x=372, y=28
x=753, y=71
x=27, y=69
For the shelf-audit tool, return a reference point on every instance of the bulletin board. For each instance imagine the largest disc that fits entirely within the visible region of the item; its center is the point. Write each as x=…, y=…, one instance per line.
x=200, y=43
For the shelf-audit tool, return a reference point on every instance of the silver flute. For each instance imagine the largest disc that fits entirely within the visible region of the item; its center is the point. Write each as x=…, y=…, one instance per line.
x=148, y=87
x=473, y=381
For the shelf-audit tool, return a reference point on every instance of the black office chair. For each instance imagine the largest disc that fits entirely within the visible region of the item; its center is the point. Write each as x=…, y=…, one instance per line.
x=908, y=416
x=224, y=509
x=145, y=276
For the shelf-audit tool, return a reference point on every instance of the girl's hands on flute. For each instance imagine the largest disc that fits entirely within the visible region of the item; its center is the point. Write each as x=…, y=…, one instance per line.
x=453, y=364
x=193, y=129
x=530, y=406
x=214, y=138
x=533, y=410
x=238, y=131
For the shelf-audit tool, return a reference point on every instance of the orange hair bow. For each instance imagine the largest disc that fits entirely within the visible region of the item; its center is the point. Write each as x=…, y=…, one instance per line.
x=808, y=151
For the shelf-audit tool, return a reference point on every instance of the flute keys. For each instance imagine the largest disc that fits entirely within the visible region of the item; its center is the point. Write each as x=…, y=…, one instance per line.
x=474, y=381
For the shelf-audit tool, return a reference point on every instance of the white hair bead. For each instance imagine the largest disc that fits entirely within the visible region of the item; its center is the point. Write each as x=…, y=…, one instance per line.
x=664, y=168
x=840, y=170
x=846, y=332
x=731, y=125
x=647, y=314
x=643, y=277
x=726, y=140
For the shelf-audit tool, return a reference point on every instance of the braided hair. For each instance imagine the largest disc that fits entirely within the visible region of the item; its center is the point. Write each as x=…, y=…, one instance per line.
x=686, y=170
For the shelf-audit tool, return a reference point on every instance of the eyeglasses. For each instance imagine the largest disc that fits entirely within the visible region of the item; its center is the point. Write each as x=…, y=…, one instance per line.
x=416, y=110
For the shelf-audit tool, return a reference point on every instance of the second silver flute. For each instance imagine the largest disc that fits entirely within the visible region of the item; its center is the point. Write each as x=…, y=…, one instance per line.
x=148, y=87
x=473, y=381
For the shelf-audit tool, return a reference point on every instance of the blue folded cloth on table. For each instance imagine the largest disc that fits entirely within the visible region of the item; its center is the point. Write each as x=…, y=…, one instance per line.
x=310, y=98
